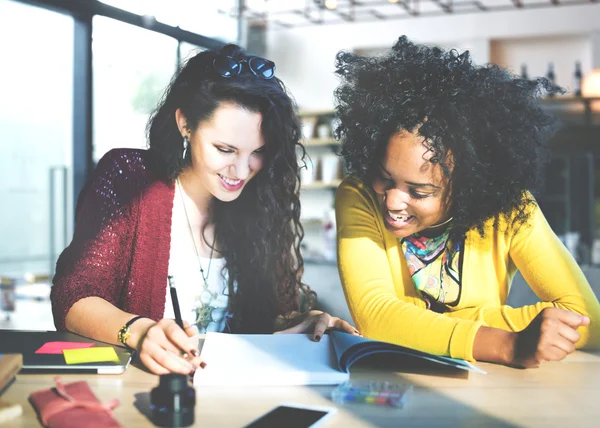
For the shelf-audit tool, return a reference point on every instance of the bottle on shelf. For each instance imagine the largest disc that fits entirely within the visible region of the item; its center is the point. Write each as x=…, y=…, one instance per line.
x=577, y=79
x=551, y=76
x=524, y=74
x=329, y=236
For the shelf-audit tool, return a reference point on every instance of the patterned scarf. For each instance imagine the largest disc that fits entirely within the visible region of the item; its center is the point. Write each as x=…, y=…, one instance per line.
x=435, y=265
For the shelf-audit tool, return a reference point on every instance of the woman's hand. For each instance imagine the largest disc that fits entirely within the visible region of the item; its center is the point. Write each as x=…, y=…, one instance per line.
x=164, y=347
x=551, y=336
x=315, y=322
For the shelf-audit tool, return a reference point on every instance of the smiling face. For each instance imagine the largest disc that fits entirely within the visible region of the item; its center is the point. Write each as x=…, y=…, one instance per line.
x=412, y=189
x=226, y=151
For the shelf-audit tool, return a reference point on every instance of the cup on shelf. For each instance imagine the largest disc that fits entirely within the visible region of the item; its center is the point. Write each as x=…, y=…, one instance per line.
x=308, y=172
x=323, y=131
x=334, y=123
x=308, y=130
x=330, y=166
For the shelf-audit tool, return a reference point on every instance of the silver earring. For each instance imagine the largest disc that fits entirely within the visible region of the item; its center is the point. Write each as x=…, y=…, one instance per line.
x=186, y=144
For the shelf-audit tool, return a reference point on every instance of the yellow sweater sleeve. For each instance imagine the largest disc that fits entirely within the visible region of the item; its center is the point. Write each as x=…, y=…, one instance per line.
x=554, y=276
x=380, y=304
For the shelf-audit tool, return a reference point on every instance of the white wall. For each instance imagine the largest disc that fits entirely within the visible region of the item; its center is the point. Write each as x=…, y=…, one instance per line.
x=305, y=56
x=537, y=52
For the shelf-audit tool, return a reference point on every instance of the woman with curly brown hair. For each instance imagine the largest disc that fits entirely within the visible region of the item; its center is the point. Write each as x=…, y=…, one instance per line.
x=212, y=207
x=438, y=213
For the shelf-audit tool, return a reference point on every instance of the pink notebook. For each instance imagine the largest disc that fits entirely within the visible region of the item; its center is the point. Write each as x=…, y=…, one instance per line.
x=73, y=405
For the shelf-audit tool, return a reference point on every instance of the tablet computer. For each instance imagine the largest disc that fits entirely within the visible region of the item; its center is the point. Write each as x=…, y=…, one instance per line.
x=27, y=342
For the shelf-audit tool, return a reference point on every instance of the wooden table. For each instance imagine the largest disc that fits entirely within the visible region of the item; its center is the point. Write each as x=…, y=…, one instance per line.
x=565, y=394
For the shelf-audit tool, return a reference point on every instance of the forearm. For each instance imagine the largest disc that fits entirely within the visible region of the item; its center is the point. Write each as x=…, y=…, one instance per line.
x=554, y=275
x=98, y=319
x=501, y=317
x=494, y=345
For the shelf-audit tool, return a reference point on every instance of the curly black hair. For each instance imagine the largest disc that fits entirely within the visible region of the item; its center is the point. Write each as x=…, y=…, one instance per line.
x=259, y=233
x=488, y=120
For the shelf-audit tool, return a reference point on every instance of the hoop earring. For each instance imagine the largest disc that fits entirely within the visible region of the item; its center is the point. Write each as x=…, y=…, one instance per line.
x=442, y=223
x=186, y=144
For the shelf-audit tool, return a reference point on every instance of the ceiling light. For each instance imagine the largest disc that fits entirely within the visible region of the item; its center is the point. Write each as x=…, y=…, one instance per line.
x=331, y=4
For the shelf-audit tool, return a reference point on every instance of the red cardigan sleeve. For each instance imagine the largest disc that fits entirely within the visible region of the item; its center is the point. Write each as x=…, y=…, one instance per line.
x=97, y=261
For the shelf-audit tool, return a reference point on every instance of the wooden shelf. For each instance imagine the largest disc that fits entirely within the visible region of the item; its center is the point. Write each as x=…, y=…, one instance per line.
x=569, y=99
x=320, y=142
x=317, y=185
x=562, y=104
x=309, y=113
x=312, y=223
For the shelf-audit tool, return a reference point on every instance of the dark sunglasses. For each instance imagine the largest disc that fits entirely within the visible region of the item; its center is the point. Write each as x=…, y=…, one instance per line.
x=230, y=67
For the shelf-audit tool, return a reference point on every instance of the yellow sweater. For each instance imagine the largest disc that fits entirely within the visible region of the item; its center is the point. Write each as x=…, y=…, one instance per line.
x=385, y=305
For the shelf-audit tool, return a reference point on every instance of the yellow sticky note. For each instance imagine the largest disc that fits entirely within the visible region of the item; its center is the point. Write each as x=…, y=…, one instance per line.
x=90, y=355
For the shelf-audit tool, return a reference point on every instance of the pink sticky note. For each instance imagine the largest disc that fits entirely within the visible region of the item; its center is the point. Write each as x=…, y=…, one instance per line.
x=58, y=347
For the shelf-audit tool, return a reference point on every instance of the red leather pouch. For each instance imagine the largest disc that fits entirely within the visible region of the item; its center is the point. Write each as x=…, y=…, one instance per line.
x=73, y=405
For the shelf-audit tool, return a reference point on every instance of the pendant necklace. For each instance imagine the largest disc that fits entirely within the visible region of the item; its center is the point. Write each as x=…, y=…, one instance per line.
x=204, y=312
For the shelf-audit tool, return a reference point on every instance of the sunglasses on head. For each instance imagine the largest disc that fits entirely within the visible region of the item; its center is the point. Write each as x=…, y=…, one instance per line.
x=230, y=67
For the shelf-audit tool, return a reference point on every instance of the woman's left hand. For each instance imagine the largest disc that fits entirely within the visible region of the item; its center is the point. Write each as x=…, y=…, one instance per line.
x=315, y=322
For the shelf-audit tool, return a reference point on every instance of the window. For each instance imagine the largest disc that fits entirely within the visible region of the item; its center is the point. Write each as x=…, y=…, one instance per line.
x=187, y=50
x=36, y=109
x=211, y=18
x=131, y=68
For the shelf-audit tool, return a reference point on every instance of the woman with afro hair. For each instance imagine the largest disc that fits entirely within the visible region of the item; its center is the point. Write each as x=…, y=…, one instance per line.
x=437, y=214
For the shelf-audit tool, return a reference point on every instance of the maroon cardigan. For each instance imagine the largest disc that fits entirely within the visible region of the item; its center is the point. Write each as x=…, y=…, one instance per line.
x=121, y=245
x=120, y=248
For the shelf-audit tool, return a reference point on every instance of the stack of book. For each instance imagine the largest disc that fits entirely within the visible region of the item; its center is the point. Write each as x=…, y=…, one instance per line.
x=10, y=364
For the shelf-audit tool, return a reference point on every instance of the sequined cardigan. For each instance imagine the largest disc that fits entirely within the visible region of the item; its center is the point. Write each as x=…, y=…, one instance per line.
x=120, y=247
x=121, y=244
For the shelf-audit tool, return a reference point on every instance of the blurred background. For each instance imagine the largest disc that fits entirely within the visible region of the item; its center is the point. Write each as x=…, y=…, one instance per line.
x=80, y=77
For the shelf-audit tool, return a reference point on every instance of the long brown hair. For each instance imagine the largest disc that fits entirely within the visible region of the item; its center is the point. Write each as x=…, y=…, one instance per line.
x=259, y=233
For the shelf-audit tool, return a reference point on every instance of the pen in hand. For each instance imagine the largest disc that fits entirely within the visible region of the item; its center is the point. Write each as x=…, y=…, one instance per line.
x=176, y=309
x=179, y=322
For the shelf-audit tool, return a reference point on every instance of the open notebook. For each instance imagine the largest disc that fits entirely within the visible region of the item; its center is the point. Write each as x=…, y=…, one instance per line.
x=294, y=359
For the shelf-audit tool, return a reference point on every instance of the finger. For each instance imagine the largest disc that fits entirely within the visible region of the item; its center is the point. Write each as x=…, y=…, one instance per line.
x=191, y=330
x=152, y=355
x=564, y=345
x=172, y=362
x=345, y=327
x=198, y=362
x=152, y=365
x=571, y=319
x=555, y=353
x=156, y=335
x=569, y=333
x=314, y=312
x=323, y=322
x=303, y=327
x=179, y=338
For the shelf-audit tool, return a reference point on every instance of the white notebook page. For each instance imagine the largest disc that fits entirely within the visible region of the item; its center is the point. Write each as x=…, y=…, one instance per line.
x=267, y=359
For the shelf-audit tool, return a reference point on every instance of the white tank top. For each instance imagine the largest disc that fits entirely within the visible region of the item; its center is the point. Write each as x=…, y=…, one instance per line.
x=205, y=309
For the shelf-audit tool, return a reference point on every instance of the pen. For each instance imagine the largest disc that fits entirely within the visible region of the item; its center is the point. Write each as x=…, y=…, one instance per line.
x=176, y=309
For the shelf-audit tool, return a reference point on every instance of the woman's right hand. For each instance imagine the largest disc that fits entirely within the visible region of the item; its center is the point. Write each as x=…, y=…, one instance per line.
x=164, y=347
x=551, y=336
